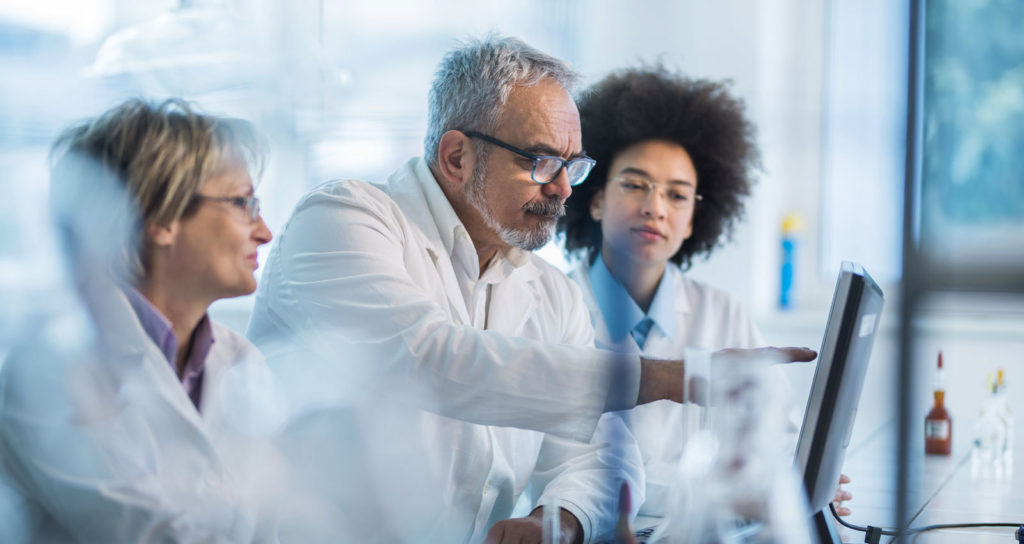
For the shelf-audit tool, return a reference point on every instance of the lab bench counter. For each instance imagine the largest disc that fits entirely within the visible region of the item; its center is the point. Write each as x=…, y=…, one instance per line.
x=944, y=490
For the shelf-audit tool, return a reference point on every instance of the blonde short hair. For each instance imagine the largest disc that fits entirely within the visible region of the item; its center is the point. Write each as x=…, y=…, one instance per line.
x=162, y=154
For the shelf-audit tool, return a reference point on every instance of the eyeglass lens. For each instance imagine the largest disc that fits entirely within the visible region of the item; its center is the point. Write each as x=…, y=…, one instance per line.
x=546, y=170
x=252, y=206
x=637, y=187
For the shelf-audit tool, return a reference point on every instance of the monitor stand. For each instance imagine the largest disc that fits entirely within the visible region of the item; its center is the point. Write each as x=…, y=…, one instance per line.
x=824, y=528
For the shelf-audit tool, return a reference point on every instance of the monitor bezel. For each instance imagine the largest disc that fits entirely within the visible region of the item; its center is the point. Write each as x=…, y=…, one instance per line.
x=832, y=385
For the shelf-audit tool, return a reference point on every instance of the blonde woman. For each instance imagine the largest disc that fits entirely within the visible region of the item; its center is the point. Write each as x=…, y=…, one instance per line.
x=138, y=437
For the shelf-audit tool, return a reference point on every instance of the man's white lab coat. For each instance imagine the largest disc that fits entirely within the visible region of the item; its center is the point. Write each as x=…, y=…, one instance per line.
x=382, y=281
x=103, y=444
x=707, y=319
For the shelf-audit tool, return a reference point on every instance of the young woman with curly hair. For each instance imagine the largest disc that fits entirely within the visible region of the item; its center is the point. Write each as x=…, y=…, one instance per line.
x=676, y=158
x=698, y=126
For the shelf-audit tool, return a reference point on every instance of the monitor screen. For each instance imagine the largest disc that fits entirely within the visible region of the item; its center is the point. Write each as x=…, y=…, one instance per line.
x=838, y=380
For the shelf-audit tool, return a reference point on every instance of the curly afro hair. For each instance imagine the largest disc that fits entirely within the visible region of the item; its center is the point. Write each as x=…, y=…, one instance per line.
x=641, y=104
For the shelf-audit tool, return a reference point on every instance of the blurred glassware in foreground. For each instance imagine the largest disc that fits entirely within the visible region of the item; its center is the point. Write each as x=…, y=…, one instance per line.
x=992, y=447
x=736, y=478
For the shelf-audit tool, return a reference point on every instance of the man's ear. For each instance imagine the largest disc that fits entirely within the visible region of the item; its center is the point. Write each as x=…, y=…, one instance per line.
x=455, y=158
x=161, y=236
x=597, y=206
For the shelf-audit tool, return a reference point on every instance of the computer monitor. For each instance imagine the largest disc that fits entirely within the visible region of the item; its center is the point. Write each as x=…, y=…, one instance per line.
x=835, y=390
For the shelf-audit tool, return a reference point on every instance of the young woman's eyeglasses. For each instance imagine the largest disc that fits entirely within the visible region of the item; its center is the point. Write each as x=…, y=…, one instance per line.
x=545, y=167
x=641, y=188
x=249, y=204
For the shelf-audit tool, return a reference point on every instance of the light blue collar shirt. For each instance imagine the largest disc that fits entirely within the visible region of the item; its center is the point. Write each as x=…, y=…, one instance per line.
x=622, y=314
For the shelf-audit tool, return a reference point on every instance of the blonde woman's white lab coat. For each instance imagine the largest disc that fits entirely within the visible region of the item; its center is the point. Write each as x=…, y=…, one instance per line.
x=706, y=318
x=380, y=284
x=101, y=443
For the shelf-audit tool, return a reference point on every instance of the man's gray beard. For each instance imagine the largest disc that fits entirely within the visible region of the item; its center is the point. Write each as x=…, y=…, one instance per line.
x=528, y=239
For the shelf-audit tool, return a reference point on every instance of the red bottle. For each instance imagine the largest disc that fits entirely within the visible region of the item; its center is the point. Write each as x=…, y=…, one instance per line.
x=938, y=426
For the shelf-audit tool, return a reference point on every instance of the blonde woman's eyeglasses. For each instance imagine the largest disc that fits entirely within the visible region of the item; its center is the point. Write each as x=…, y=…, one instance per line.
x=249, y=204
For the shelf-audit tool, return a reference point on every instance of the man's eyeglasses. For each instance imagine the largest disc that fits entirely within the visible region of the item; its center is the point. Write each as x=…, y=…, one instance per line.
x=641, y=188
x=545, y=167
x=249, y=204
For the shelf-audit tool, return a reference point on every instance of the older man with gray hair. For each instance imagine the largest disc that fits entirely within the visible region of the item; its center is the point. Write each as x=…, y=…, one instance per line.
x=429, y=279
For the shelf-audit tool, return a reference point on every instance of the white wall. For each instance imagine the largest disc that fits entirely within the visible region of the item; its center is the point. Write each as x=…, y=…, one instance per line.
x=772, y=53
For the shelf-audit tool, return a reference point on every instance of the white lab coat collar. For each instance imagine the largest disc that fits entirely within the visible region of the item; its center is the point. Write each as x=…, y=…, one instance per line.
x=414, y=184
x=439, y=216
x=132, y=347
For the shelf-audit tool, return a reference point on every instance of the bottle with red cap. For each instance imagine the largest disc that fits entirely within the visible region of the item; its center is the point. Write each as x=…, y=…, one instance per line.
x=938, y=425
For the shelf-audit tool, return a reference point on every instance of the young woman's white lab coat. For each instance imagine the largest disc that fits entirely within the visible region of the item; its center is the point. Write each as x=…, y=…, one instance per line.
x=706, y=318
x=100, y=442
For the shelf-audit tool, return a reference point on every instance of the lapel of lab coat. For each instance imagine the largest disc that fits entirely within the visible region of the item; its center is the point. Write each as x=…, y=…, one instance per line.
x=221, y=358
x=514, y=300
x=415, y=191
x=146, y=368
